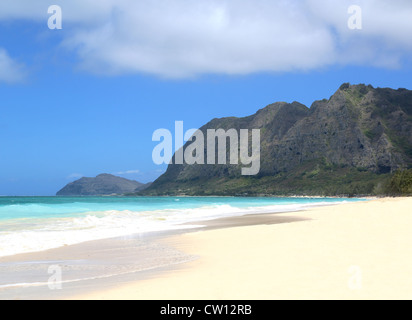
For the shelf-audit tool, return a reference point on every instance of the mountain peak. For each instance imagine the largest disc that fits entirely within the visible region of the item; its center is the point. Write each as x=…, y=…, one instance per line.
x=107, y=175
x=103, y=184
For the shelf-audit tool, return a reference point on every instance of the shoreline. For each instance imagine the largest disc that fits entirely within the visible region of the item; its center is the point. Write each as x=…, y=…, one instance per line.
x=97, y=256
x=194, y=224
x=349, y=251
x=208, y=196
x=247, y=246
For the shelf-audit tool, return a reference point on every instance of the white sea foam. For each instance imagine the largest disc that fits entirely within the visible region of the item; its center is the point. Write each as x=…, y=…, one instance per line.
x=24, y=236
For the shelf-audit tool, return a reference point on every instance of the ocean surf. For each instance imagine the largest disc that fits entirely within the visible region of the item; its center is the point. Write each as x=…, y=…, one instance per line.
x=32, y=224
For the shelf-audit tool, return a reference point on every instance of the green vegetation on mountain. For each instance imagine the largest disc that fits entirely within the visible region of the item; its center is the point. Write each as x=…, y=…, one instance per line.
x=400, y=184
x=312, y=179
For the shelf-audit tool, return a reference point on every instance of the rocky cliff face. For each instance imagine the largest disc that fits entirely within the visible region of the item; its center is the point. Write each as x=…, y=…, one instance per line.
x=104, y=184
x=361, y=132
x=358, y=127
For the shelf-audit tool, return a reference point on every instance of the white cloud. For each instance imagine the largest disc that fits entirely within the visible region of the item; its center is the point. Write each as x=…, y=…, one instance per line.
x=10, y=70
x=182, y=38
x=385, y=36
x=128, y=172
x=179, y=38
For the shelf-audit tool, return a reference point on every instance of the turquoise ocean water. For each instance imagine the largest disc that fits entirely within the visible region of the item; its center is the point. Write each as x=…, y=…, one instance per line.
x=30, y=224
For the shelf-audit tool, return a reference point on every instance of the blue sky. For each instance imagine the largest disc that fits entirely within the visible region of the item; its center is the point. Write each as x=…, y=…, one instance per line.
x=86, y=99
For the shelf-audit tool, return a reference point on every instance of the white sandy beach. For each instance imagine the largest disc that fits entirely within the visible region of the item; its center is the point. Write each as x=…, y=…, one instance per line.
x=350, y=251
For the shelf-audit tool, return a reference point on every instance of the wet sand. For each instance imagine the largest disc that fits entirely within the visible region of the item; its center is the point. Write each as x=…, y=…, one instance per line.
x=107, y=264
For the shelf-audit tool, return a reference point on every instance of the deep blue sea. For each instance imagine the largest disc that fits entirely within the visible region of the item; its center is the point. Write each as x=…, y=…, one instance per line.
x=30, y=224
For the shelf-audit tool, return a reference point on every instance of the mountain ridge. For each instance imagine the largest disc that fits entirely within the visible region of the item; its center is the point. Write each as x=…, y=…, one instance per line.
x=101, y=185
x=350, y=143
